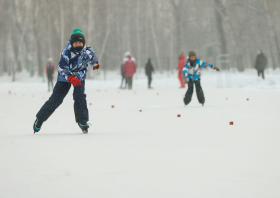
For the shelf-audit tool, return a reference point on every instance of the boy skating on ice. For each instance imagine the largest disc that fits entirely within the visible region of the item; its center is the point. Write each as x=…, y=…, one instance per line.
x=72, y=69
x=192, y=71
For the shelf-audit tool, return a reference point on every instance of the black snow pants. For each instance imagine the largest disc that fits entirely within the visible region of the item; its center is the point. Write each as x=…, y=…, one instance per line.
x=149, y=80
x=129, y=82
x=50, y=82
x=60, y=90
x=199, y=92
x=123, y=80
x=261, y=72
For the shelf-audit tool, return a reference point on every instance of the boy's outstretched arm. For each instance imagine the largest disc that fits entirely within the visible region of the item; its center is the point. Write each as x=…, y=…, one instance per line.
x=204, y=64
x=93, y=59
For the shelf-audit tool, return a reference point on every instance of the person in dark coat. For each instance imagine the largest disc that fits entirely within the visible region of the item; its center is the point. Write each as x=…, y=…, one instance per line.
x=50, y=68
x=261, y=63
x=149, y=69
x=123, y=78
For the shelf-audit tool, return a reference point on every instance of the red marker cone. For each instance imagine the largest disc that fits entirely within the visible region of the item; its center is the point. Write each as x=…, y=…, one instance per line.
x=178, y=115
x=113, y=106
x=230, y=123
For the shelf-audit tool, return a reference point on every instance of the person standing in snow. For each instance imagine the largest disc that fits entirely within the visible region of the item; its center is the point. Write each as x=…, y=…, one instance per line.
x=123, y=78
x=192, y=71
x=149, y=69
x=261, y=63
x=50, y=71
x=122, y=72
x=72, y=70
x=129, y=68
x=181, y=65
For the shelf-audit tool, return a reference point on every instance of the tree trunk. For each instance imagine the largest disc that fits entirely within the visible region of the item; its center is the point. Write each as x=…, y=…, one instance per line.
x=220, y=28
x=62, y=41
x=128, y=25
x=138, y=39
x=154, y=37
x=272, y=30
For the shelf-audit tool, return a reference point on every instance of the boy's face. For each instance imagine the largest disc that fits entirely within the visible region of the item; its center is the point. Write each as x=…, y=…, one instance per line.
x=78, y=44
x=193, y=58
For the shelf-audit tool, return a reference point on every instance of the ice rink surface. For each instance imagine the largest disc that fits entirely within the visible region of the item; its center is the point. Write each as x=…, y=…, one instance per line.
x=153, y=153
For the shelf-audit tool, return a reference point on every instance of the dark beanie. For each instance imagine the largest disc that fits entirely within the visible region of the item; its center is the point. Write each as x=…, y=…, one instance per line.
x=77, y=35
x=192, y=53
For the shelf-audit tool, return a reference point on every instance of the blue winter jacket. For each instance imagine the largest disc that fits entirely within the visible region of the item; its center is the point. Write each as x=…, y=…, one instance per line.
x=194, y=71
x=74, y=62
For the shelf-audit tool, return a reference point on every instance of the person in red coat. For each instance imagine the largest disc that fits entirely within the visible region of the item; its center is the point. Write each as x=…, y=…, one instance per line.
x=50, y=71
x=129, y=68
x=181, y=64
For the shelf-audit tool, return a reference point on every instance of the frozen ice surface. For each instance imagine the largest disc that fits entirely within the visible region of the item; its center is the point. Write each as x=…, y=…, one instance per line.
x=152, y=153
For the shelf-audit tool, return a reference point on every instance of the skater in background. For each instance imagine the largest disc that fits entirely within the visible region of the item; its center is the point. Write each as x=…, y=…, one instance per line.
x=181, y=65
x=129, y=68
x=192, y=71
x=261, y=63
x=72, y=70
x=149, y=69
x=50, y=71
x=122, y=72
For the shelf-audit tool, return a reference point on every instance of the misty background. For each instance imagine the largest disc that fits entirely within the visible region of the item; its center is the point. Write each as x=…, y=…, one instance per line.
x=34, y=30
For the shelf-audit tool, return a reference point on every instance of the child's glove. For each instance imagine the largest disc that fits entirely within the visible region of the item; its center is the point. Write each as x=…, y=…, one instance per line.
x=96, y=67
x=216, y=68
x=74, y=81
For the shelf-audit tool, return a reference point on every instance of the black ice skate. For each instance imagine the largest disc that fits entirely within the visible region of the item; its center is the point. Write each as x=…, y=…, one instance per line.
x=37, y=125
x=84, y=126
x=202, y=103
x=185, y=102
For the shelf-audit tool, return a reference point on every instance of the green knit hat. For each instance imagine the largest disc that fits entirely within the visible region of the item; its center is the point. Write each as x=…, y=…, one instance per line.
x=77, y=35
x=77, y=31
x=192, y=53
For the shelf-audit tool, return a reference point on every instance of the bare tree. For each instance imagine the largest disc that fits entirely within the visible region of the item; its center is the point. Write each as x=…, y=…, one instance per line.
x=34, y=30
x=154, y=36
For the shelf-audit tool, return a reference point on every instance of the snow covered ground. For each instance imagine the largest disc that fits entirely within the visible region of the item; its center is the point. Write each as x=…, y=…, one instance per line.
x=152, y=153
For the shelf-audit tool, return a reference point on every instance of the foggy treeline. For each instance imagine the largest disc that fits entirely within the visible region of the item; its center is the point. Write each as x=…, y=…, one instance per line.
x=34, y=30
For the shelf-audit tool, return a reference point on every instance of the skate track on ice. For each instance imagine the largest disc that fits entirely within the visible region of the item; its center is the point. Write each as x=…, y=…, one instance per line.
x=153, y=153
